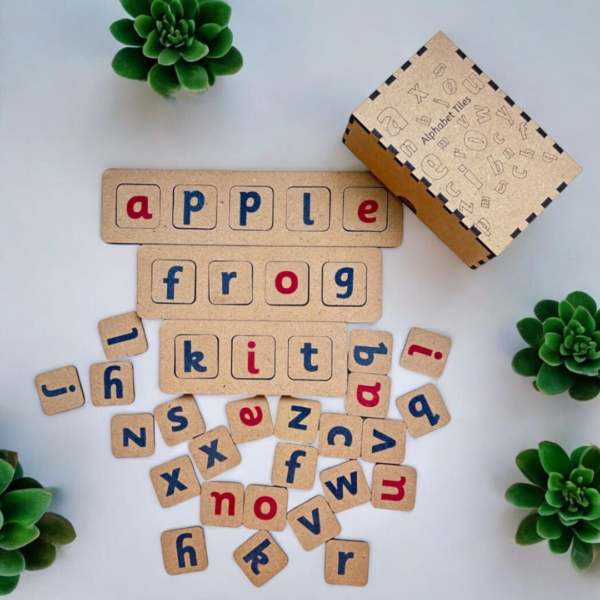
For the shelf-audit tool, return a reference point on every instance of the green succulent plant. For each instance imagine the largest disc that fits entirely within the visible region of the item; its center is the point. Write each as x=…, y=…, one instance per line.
x=175, y=44
x=29, y=535
x=564, y=492
x=564, y=347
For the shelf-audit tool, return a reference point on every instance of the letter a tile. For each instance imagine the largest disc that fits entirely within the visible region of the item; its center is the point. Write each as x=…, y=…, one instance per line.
x=260, y=558
x=368, y=395
x=214, y=452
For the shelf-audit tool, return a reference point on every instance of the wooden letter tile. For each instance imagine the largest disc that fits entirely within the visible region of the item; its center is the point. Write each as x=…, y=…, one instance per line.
x=196, y=356
x=308, y=209
x=195, y=207
x=340, y=436
x=310, y=358
x=122, y=336
x=214, y=452
x=286, y=283
x=260, y=558
x=314, y=523
x=173, y=281
x=346, y=562
x=394, y=487
x=249, y=420
x=184, y=550
x=345, y=284
x=368, y=395
x=370, y=351
x=230, y=282
x=384, y=441
x=222, y=504
x=175, y=481
x=345, y=486
x=59, y=390
x=425, y=352
x=297, y=420
x=294, y=466
x=138, y=206
x=112, y=383
x=132, y=435
x=251, y=208
x=253, y=357
x=179, y=420
x=265, y=507
x=423, y=410
x=365, y=209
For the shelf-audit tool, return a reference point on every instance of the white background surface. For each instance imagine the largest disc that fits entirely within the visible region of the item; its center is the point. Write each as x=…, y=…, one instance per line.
x=65, y=117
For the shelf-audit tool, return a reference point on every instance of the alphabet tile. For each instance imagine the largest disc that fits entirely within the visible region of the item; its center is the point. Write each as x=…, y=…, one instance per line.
x=425, y=352
x=423, y=410
x=297, y=420
x=196, y=356
x=179, y=420
x=138, y=206
x=230, y=282
x=132, y=435
x=214, y=452
x=260, y=558
x=122, y=336
x=368, y=395
x=253, y=357
x=370, y=351
x=340, y=436
x=59, y=390
x=184, y=550
x=394, y=487
x=314, y=523
x=249, y=420
x=346, y=562
x=173, y=281
x=384, y=441
x=195, y=207
x=265, y=507
x=308, y=209
x=222, y=504
x=286, y=283
x=344, y=284
x=294, y=466
x=111, y=383
x=310, y=358
x=345, y=486
x=251, y=208
x=175, y=481
x=365, y=208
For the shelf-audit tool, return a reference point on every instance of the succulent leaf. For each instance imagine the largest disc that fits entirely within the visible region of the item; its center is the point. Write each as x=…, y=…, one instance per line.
x=525, y=495
x=163, y=80
x=153, y=46
x=554, y=380
x=229, y=64
x=565, y=311
x=208, y=32
x=159, y=9
x=582, y=554
x=527, y=534
x=195, y=51
x=585, y=319
x=549, y=527
x=24, y=483
x=553, y=341
x=585, y=532
x=550, y=357
x=554, y=459
x=553, y=325
x=531, y=330
x=585, y=388
x=582, y=299
x=14, y=536
x=192, y=76
x=131, y=63
x=24, y=507
x=124, y=31
x=555, y=482
x=38, y=555
x=581, y=476
x=12, y=458
x=190, y=9
x=530, y=465
x=136, y=7
x=56, y=530
x=545, y=509
x=527, y=362
x=590, y=459
x=221, y=45
x=12, y=563
x=561, y=544
x=169, y=56
x=214, y=11
x=18, y=472
x=144, y=25
x=8, y=585
x=545, y=309
x=6, y=475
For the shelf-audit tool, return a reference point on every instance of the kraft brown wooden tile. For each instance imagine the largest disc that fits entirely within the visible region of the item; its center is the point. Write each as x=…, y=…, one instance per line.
x=384, y=441
x=394, y=487
x=179, y=420
x=294, y=466
x=347, y=562
x=314, y=523
x=132, y=435
x=368, y=395
x=423, y=410
x=345, y=486
x=59, y=390
x=340, y=436
x=175, y=481
x=425, y=352
x=112, y=383
x=249, y=419
x=214, y=452
x=265, y=507
x=260, y=558
x=297, y=419
x=260, y=208
x=122, y=336
x=222, y=504
x=370, y=351
x=184, y=550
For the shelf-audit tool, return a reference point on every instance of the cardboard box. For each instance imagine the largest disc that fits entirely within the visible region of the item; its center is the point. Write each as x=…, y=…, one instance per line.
x=472, y=165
